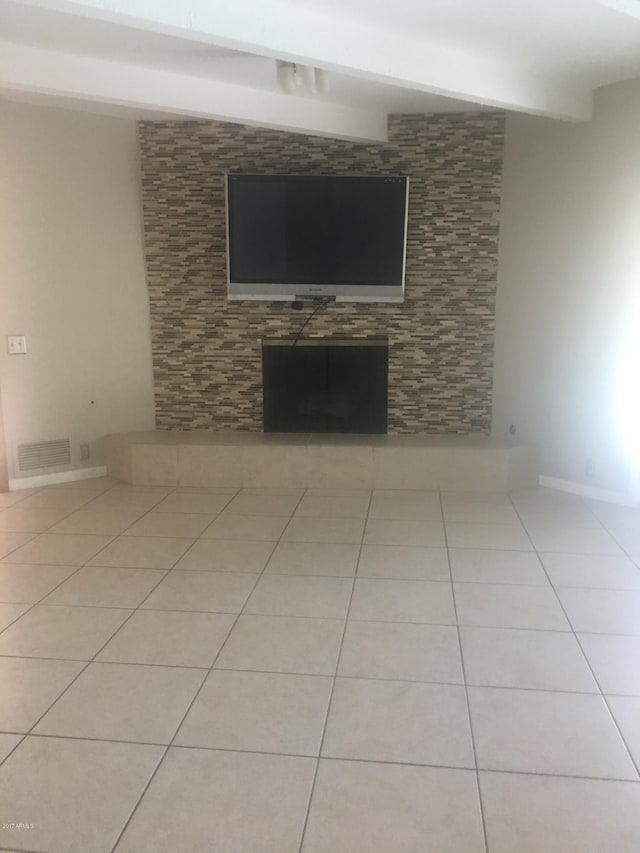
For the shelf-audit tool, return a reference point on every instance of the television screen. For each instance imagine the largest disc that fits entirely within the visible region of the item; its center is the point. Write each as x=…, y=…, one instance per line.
x=337, y=236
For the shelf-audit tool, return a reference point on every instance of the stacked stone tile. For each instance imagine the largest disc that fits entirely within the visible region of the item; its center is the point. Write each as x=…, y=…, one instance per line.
x=207, y=351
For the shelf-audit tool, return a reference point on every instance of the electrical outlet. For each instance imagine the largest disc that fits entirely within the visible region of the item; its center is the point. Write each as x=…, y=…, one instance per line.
x=512, y=429
x=85, y=452
x=16, y=344
x=590, y=467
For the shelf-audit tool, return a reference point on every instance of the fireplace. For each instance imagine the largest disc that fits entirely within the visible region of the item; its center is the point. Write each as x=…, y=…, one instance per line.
x=325, y=385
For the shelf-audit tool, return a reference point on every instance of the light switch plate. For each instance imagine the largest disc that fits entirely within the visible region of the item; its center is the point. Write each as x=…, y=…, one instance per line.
x=16, y=344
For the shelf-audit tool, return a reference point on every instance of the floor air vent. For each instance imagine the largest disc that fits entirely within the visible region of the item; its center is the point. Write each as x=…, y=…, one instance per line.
x=44, y=454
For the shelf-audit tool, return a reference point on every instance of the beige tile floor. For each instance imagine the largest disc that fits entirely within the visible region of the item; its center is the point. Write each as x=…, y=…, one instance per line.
x=195, y=670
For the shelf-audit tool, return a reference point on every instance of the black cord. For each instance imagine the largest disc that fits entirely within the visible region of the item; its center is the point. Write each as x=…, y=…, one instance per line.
x=321, y=302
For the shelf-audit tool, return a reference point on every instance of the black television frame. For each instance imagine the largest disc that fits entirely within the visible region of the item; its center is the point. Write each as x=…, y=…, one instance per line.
x=283, y=291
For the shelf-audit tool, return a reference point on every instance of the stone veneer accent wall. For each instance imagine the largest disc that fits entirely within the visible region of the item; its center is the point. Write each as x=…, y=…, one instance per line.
x=207, y=351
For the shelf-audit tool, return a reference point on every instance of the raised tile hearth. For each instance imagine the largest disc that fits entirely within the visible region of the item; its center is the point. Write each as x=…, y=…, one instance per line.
x=201, y=458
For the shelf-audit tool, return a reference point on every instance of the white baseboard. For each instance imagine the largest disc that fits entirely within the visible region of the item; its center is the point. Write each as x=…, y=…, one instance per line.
x=60, y=477
x=585, y=491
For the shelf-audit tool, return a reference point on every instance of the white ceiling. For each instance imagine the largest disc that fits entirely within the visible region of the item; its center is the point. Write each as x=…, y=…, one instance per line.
x=216, y=58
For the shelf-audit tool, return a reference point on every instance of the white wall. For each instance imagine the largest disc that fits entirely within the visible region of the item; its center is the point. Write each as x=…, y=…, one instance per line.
x=72, y=280
x=569, y=267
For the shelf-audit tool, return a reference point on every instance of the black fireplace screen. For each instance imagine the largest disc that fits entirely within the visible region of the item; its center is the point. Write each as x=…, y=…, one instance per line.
x=317, y=385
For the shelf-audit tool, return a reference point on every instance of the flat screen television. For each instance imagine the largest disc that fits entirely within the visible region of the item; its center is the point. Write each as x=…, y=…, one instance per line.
x=305, y=236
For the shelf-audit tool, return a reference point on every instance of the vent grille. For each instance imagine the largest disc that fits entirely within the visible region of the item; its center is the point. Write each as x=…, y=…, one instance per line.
x=44, y=454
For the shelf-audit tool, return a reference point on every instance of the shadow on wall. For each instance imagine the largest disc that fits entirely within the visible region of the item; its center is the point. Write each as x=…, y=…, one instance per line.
x=4, y=471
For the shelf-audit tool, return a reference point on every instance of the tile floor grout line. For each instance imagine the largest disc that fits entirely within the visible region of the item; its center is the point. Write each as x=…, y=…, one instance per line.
x=464, y=768
x=334, y=679
x=613, y=779
x=17, y=548
x=202, y=536
x=43, y=603
x=189, y=707
x=470, y=625
x=46, y=529
x=82, y=506
x=171, y=490
x=272, y=573
x=140, y=798
x=617, y=728
x=18, y=657
x=39, y=603
x=128, y=527
x=605, y=699
x=624, y=550
x=479, y=684
x=13, y=749
x=213, y=748
x=14, y=621
x=107, y=662
x=48, y=593
x=168, y=746
x=466, y=693
x=24, y=850
x=91, y=660
x=611, y=534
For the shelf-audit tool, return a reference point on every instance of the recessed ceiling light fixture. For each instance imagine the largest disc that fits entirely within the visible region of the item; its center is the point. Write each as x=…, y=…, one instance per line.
x=292, y=76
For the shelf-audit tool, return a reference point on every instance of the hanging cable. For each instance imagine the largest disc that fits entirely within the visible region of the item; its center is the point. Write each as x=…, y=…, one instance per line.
x=321, y=302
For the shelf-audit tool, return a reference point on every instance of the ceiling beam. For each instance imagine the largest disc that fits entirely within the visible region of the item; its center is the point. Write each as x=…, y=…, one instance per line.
x=41, y=71
x=296, y=31
x=627, y=7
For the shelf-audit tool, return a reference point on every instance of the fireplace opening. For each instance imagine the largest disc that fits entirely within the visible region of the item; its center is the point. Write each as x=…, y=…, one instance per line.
x=325, y=386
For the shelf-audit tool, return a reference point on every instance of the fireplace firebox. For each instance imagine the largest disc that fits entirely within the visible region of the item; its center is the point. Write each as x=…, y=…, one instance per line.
x=325, y=385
